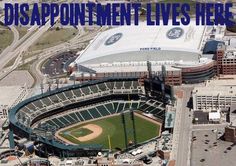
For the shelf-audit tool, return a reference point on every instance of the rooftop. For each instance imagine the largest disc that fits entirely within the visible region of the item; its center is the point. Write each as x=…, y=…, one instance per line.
x=131, y=40
x=226, y=80
x=215, y=91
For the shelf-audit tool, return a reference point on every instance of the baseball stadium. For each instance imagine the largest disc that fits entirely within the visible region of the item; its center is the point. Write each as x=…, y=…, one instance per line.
x=87, y=118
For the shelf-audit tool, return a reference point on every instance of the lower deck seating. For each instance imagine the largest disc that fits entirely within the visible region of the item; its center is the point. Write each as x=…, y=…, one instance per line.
x=68, y=96
x=92, y=112
x=105, y=109
x=151, y=108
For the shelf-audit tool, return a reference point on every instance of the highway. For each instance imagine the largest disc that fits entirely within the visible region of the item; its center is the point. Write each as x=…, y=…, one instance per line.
x=16, y=36
x=17, y=52
x=14, y=42
x=20, y=46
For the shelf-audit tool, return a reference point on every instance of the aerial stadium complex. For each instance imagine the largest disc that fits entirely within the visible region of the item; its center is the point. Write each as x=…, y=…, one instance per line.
x=130, y=70
x=127, y=77
x=125, y=51
x=118, y=95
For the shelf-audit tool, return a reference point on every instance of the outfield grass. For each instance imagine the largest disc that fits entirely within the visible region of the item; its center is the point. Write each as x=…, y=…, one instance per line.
x=6, y=37
x=53, y=37
x=113, y=127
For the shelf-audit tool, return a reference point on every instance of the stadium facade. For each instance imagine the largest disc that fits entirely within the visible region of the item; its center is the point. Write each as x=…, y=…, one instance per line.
x=125, y=51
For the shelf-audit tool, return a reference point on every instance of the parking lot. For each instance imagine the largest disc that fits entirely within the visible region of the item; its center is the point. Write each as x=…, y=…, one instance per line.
x=207, y=150
x=58, y=65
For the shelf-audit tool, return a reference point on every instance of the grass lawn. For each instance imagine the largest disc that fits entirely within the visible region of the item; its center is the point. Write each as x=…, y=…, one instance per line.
x=113, y=127
x=11, y=62
x=26, y=66
x=53, y=37
x=6, y=37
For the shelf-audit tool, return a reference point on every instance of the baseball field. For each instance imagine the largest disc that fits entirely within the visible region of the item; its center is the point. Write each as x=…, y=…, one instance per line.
x=100, y=131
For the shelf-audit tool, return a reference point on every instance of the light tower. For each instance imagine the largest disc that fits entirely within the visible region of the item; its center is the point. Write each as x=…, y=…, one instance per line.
x=129, y=112
x=149, y=68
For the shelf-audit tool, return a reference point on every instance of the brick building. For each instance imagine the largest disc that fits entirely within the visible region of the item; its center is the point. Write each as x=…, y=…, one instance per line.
x=225, y=61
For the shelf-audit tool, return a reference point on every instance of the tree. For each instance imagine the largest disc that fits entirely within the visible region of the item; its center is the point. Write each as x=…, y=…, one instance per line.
x=57, y=29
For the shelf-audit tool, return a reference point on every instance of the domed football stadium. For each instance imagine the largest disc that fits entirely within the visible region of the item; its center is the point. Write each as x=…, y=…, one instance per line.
x=124, y=52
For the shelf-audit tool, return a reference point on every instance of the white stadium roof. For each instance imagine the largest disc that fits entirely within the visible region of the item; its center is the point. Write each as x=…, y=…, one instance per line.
x=141, y=43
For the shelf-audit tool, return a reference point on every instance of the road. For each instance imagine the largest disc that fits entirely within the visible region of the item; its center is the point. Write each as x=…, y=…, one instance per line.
x=20, y=46
x=17, y=52
x=182, y=130
x=14, y=42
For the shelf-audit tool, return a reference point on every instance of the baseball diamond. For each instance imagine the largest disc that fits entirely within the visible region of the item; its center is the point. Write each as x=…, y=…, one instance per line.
x=110, y=126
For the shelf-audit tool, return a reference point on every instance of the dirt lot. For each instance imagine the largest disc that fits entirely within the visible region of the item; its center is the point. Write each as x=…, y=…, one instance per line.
x=18, y=77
